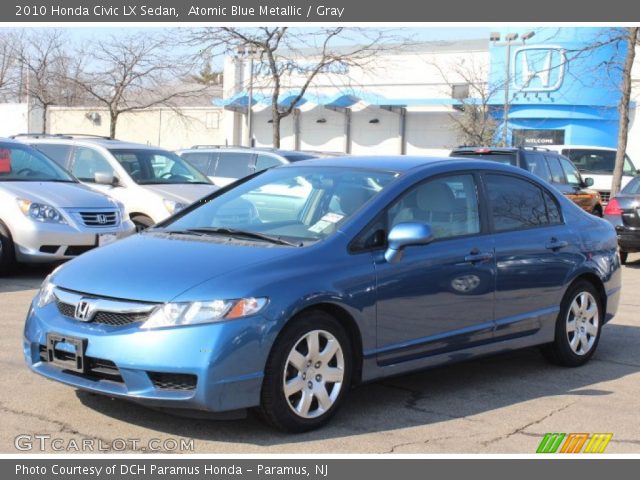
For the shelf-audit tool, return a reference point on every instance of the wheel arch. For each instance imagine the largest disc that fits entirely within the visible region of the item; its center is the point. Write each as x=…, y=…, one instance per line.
x=347, y=321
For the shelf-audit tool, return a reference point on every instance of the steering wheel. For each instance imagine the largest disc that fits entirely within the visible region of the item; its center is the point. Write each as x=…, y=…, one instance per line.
x=28, y=172
x=166, y=175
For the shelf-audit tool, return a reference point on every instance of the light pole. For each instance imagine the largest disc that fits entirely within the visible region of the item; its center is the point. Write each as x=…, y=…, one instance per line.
x=509, y=39
x=249, y=52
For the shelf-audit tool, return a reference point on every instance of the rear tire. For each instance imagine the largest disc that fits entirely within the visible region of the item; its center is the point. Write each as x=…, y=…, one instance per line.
x=578, y=326
x=308, y=373
x=623, y=257
x=142, y=222
x=7, y=252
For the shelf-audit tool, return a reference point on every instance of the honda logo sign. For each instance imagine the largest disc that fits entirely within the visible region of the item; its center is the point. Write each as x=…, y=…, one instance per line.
x=538, y=68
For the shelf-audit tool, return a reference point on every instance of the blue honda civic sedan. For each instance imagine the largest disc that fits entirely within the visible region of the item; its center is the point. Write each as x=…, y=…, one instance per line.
x=282, y=291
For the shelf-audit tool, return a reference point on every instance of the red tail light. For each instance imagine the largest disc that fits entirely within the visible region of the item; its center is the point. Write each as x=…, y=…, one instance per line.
x=613, y=208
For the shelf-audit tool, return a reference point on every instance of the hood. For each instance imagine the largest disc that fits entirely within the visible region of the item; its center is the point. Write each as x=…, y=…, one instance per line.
x=155, y=267
x=57, y=194
x=183, y=192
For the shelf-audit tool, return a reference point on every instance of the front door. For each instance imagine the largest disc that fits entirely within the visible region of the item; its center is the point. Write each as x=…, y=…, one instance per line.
x=440, y=296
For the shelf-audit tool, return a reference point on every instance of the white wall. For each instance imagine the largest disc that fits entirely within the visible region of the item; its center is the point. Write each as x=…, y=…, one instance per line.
x=382, y=138
x=13, y=119
x=430, y=134
x=328, y=136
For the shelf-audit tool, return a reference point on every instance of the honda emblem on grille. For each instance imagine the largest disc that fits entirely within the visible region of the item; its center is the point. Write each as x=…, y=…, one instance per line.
x=83, y=311
x=101, y=218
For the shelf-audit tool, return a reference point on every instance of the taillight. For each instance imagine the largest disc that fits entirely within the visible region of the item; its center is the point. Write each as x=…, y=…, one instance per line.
x=613, y=208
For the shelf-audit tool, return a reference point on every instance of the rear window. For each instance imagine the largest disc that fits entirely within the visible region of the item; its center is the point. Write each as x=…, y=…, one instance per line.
x=633, y=187
x=506, y=158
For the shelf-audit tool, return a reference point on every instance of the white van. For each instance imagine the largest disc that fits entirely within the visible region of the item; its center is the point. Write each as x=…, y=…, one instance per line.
x=597, y=163
x=152, y=183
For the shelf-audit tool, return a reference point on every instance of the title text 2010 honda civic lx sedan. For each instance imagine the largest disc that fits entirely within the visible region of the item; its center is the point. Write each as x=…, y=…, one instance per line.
x=283, y=291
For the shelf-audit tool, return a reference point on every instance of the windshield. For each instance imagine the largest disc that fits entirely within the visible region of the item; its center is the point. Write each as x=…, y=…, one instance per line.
x=297, y=204
x=20, y=163
x=597, y=161
x=156, y=166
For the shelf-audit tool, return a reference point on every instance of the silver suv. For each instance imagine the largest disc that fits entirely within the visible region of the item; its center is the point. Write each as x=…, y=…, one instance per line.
x=46, y=215
x=225, y=165
x=151, y=182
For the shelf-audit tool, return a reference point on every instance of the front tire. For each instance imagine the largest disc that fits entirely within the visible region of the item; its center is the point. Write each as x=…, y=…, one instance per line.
x=308, y=373
x=623, y=257
x=578, y=326
x=141, y=222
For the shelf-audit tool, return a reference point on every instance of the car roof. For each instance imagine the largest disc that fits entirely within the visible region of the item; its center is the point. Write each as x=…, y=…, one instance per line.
x=398, y=163
x=238, y=148
x=100, y=141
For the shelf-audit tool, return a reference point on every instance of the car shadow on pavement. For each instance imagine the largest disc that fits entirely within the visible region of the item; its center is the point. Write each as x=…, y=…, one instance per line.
x=27, y=277
x=461, y=391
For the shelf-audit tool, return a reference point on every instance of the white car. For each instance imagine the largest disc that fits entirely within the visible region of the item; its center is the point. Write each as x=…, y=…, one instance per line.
x=46, y=215
x=225, y=165
x=597, y=163
x=151, y=182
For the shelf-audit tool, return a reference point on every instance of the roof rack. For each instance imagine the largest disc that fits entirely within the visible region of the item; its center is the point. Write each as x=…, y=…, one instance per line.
x=60, y=135
x=218, y=146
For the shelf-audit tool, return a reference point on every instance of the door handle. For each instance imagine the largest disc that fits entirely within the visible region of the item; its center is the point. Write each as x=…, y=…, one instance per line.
x=555, y=244
x=476, y=257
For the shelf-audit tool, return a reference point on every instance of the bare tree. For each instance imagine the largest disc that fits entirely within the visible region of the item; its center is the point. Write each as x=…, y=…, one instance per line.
x=631, y=39
x=43, y=55
x=467, y=81
x=135, y=72
x=9, y=65
x=285, y=54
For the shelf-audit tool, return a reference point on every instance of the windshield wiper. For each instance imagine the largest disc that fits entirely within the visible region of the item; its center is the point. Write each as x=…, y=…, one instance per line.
x=243, y=233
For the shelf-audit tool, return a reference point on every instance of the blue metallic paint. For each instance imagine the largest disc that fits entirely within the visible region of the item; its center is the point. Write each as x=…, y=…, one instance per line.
x=403, y=325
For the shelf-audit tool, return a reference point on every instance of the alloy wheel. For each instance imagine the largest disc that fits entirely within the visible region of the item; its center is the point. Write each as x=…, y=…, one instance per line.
x=314, y=374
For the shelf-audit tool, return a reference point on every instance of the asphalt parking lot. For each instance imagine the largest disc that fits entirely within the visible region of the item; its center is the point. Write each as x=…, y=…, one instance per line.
x=502, y=404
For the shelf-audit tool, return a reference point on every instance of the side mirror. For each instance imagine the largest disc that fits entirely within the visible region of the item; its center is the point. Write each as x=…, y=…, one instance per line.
x=588, y=182
x=404, y=235
x=105, y=178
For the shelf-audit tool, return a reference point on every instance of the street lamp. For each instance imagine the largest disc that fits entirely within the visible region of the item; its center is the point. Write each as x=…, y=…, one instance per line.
x=509, y=39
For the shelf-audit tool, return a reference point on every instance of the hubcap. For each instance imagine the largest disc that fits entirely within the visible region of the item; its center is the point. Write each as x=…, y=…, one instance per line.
x=582, y=323
x=313, y=374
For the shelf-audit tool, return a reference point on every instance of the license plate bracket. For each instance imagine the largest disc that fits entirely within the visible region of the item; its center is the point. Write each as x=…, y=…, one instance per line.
x=66, y=352
x=106, y=238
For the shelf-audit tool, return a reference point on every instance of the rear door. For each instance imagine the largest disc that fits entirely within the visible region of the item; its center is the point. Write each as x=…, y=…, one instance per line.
x=535, y=252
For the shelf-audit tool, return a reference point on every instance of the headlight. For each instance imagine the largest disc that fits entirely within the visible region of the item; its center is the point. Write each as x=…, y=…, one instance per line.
x=173, y=207
x=46, y=295
x=40, y=212
x=192, y=313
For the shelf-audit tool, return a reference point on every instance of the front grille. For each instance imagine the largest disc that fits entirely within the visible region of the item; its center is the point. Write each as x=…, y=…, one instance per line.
x=173, y=381
x=66, y=309
x=96, y=368
x=117, y=319
x=102, y=317
x=605, y=197
x=99, y=219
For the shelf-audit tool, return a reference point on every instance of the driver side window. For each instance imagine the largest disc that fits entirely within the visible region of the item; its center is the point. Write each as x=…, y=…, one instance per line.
x=449, y=205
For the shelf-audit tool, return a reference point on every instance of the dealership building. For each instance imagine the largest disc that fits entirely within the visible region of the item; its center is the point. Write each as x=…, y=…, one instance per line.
x=559, y=85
